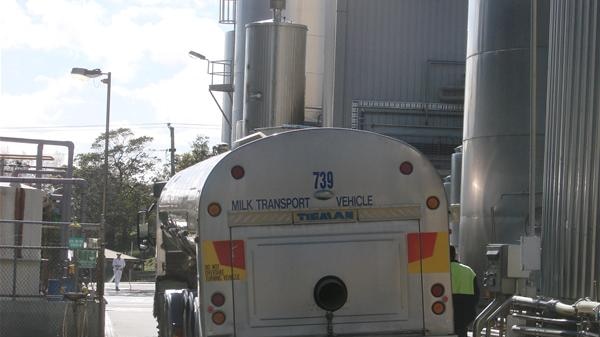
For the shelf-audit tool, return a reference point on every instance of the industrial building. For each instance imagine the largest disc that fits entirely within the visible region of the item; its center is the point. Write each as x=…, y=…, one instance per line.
x=392, y=67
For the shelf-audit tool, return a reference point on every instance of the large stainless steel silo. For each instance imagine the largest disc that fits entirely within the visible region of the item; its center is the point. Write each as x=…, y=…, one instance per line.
x=496, y=136
x=227, y=99
x=313, y=14
x=275, y=74
x=571, y=205
x=246, y=11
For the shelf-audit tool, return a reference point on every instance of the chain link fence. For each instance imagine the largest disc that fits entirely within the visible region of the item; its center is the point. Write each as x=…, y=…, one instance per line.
x=48, y=287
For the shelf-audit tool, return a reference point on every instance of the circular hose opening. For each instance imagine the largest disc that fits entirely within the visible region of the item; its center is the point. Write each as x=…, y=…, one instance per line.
x=330, y=293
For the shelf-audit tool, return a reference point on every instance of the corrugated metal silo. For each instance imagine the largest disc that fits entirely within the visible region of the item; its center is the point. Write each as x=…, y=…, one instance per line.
x=496, y=139
x=571, y=218
x=399, y=70
x=275, y=78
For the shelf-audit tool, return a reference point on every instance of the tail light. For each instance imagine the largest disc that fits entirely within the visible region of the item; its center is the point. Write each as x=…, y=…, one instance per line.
x=218, y=317
x=406, y=168
x=437, y=290
x=237, y=172
x=438, y=308
x=217, y=299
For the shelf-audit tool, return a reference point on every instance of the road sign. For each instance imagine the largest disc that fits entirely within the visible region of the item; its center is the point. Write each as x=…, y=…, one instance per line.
x=86, y=258
x=76, y=242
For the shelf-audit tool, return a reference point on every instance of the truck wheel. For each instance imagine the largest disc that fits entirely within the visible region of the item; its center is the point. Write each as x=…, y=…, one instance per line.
x=175, y=304
x=189, y=320
x=197, y=321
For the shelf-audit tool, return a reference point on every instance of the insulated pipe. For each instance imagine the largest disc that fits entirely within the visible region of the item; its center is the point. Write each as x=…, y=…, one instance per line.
x=558, y=321
x=526, y=330
x=584, y=307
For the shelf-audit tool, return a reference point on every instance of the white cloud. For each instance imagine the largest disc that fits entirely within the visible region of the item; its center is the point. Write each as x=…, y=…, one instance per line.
x=139, y=40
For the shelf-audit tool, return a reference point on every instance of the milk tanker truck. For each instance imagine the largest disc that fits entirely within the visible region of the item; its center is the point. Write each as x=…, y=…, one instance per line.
x=311, y=232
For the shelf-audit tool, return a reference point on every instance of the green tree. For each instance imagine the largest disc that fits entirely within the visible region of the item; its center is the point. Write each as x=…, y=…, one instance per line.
x=199, y=152
x=130, y=168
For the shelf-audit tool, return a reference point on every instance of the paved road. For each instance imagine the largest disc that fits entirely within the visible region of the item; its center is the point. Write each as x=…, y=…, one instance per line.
x=129, y=311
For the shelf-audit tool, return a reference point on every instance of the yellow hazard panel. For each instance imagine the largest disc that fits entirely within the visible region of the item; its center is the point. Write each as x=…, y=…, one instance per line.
x=429, y=251
x=224, y=260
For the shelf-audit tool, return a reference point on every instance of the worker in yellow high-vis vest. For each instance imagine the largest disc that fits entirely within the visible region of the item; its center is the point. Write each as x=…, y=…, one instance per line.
x=465, y=294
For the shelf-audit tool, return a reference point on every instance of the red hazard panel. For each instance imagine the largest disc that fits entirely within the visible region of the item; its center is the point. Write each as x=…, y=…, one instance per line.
x=420, y=249
x=231, y=253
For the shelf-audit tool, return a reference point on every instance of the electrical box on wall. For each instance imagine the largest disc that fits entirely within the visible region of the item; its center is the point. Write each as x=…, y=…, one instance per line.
x=504, y=268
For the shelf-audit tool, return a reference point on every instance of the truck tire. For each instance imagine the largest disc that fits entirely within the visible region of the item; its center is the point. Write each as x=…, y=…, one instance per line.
x=189, y=318
x=197, y=321
x=161, y=309
x=174, y=307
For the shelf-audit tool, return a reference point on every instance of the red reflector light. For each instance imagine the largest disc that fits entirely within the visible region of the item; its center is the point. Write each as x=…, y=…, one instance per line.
x=433, y=202
x=214, y=209
x=437, y=290
x=438, y=308
x=218, y=318
x=237, y=172
x=406, y=168
x=217, y=299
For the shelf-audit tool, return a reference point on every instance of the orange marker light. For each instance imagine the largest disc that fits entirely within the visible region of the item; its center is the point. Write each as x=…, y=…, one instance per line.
x=433, y=202
x=218, y=318
x=214, y=209
x=438, y=308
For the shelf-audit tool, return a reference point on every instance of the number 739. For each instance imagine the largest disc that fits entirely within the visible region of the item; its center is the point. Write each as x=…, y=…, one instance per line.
x=323, y=180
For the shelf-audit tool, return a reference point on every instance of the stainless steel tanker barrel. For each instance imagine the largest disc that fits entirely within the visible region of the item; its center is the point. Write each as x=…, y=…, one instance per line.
x=495, y=176
x=571, y=217
x=275, y=77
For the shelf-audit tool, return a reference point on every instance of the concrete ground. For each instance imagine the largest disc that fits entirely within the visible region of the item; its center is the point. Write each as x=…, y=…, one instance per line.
x=129, y=311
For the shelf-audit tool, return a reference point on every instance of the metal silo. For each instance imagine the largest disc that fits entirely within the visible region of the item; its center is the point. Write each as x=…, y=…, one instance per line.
x=275, y=78
x=571, y=232
x=313, y=14
x=227, y=100
x=456, y=175
x=246, y=11
x=496, y=137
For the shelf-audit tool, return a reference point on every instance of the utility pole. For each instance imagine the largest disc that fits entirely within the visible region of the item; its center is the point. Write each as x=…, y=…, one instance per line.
x=172, y=149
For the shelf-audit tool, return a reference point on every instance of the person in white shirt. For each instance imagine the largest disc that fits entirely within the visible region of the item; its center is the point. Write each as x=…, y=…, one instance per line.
x=118, y=265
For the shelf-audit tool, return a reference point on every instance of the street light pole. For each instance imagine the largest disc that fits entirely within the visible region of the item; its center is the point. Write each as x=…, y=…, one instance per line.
x=101, y=233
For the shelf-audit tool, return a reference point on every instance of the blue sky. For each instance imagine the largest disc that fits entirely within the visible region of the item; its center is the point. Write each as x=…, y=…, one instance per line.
x=143, y=43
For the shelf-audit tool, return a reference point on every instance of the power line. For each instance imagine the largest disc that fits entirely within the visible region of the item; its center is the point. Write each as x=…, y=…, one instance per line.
x=93, y=126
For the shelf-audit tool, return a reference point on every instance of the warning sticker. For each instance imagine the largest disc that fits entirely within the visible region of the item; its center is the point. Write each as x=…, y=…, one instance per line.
x=224, y=260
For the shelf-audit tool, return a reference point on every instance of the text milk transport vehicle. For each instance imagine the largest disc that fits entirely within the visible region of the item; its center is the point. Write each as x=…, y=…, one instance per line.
x=311, y=232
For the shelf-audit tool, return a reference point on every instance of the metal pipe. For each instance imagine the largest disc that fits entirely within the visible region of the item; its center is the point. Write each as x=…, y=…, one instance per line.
x=38, y=222
x=14, y=280
x=29, y=180
x=39, y=172
x=530, y=230
x=526, y=330
x=483, y=316
x=41, y=247
x=557, y=321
